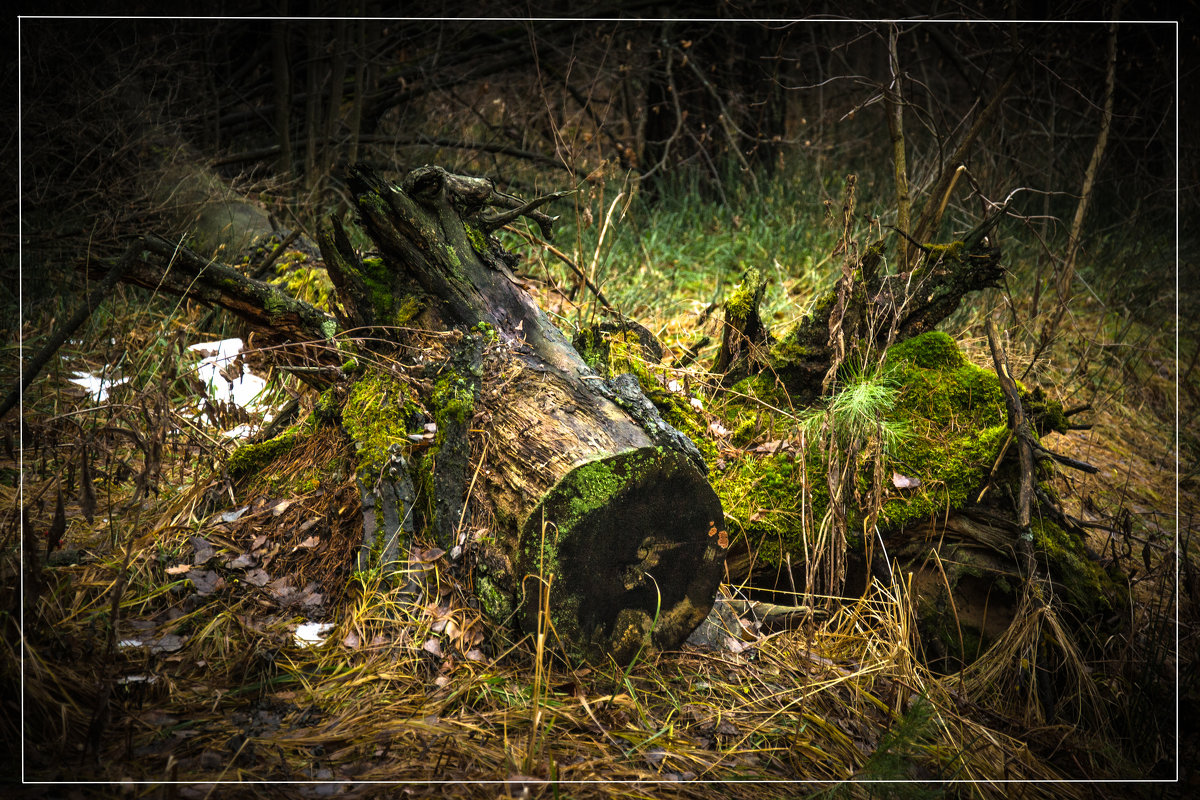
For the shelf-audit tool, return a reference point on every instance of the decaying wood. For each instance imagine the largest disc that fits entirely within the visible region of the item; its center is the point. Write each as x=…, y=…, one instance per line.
x=589, y=497
x=868, y=306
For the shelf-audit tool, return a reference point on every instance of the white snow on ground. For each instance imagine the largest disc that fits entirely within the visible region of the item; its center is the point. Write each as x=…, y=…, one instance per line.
x=309, y=634
x=97, y=388
x=244, y=390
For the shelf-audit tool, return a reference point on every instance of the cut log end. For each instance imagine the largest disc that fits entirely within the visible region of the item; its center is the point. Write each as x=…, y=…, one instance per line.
x=631, y=547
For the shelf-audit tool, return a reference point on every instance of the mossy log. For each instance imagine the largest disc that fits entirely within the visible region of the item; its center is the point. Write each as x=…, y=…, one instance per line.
x=587, y=507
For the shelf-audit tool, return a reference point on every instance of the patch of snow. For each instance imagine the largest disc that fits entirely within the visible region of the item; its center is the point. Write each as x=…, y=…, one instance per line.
x=311, y=634
x=97, y=388
x=243, y=390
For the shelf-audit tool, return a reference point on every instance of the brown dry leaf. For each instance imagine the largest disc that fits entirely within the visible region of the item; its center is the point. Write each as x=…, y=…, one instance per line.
x=203, y=549
x=167, y=643
x=281, y=587
x=178, y=569
x=257, y=577
x=241, y=561
x=206, y=581
x=430, y=555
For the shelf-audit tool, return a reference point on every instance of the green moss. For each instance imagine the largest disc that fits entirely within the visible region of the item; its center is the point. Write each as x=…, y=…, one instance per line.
x=496, y=603
x=764, y=501
x=933, y=350
x=328, y=407
x=477, y=238
x=453, y=401
x=375, y=416
x=1045, y=415
x=621, y=351
x=1086, y=584
x=951, y=475
x=744, y=299
x=594, y=486
x=407, y=309
x=953, y=420
x=487, y=331
x=949, y=251
x=249, y=459
x=306, y=283
x=274, y=304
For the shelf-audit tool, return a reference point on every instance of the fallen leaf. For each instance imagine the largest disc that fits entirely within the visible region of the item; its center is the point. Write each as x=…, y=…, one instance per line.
x=167, y=643
x=257, y=577
x=242, y=561
x=430, y=555
x=206, y=581
x=234, y=516
x=204, y=551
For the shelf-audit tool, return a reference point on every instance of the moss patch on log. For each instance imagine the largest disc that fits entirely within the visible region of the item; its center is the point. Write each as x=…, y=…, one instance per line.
x=376, y=416
x=626, y=565
x=954, y=415
x=612, y=350
x=250, y=459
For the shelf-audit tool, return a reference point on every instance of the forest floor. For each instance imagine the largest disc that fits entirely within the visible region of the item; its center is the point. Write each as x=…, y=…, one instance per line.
x=187, y=632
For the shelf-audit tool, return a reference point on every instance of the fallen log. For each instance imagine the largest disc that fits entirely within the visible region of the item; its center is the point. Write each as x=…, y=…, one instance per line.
x=573, y=496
